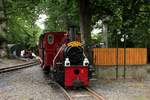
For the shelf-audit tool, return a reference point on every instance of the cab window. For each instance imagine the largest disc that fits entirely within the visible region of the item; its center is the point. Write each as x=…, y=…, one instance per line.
x=50, y=39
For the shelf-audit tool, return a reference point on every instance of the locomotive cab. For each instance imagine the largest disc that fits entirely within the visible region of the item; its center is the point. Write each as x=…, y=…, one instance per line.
x=49, y=44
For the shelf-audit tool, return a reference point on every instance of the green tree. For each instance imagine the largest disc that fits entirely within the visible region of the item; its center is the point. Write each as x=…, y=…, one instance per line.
x=22, y=16
x=131, y=17
x=61, y=14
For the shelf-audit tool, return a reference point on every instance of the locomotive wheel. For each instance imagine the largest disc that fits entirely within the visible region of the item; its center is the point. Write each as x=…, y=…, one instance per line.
x=52, y=73
x=46, y=70
x=52, y=76
x=58, y=76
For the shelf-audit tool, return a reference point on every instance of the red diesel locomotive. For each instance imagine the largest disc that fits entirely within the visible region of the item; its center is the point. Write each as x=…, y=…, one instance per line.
x=62, y=54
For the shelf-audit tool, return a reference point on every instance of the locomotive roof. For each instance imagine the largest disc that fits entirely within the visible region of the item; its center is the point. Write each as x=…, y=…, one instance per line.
x=42, y=35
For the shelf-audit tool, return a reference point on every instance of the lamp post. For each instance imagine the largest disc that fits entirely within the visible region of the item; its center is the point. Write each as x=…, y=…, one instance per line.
x=118, y=33
x=123, y=39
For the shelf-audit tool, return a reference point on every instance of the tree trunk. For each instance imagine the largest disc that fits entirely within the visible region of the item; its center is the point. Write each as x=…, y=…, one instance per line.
x=105, y=35
x=85, y=21
x=3, y=50
x=2, y=17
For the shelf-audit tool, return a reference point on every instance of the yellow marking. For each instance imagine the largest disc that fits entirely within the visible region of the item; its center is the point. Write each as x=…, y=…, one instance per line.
x=74, y=44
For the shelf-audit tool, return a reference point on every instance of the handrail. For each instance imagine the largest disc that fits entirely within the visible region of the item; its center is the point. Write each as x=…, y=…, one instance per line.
x=57, y=54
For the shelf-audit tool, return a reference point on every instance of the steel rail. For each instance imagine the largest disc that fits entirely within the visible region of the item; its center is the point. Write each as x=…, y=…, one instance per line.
x=66, y=94
x=16, y=67
x=94, y=94
x=90, y=91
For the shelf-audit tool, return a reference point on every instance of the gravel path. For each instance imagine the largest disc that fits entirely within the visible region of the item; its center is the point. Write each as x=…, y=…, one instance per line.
x=122, y=90
x=27, y=84
x=32, y=84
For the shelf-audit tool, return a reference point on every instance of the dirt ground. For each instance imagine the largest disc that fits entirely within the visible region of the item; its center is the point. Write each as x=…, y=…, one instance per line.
x=128, y=89
x=11, y=62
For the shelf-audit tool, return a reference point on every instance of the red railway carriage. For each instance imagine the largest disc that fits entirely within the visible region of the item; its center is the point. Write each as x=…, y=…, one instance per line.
x=64, y=59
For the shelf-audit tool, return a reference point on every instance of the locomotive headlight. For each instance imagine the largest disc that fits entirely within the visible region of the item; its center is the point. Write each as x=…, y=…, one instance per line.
x=85, y=62
x=67, y=62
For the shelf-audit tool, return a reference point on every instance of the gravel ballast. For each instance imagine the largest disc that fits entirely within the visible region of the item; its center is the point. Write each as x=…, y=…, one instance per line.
x=32, y=84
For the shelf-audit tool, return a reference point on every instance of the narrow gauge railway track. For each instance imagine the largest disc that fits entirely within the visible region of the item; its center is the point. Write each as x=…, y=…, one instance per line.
x=16, y=67
x=89, y=91
x=86, y=94
x=65, y=93
x=94, y=94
